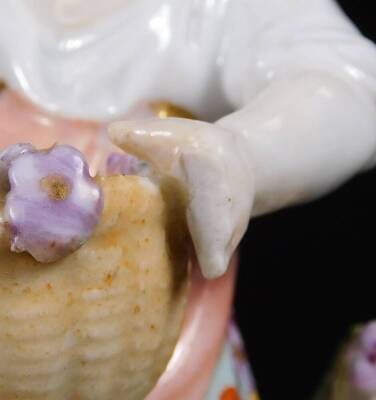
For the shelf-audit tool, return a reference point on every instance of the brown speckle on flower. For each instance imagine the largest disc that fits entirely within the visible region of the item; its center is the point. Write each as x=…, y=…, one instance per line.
x=56, y=187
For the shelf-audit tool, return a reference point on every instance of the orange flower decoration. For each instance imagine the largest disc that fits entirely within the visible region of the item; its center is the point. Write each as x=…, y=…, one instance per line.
x=230, y=393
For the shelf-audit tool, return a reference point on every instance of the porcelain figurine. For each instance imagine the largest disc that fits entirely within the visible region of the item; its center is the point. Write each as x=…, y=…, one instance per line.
x=243, y=106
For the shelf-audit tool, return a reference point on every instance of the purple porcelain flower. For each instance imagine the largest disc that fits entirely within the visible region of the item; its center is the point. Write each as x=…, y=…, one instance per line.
x=123, y=163
x=53, y=204
x=7, y=156
x=362, y=359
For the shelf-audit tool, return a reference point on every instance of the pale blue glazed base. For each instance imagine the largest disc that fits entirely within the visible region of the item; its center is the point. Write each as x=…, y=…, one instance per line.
x=232, y=371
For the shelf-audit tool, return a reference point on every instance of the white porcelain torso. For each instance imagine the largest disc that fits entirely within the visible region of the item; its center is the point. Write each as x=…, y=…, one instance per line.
x=95, y=61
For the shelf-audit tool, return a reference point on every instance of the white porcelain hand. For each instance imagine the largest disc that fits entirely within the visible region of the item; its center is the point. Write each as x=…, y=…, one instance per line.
x=212, y=166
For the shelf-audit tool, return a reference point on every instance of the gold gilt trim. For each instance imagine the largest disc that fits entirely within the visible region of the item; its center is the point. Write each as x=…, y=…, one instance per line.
x=2, y=85
x=165, y=109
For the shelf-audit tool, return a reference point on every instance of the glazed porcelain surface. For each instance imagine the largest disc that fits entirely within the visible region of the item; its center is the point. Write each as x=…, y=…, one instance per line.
x=288, y=88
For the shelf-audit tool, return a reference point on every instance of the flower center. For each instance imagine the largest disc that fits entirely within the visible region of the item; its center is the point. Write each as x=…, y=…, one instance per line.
x=56, y=187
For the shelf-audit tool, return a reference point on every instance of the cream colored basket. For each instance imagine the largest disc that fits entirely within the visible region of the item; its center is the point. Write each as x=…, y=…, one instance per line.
x=100, y=324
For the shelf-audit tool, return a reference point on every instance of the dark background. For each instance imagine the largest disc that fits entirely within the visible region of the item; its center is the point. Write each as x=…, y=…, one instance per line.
x=307, y=275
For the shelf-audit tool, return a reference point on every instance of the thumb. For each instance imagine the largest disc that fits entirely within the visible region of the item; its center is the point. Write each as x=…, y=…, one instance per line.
x=158, y=142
